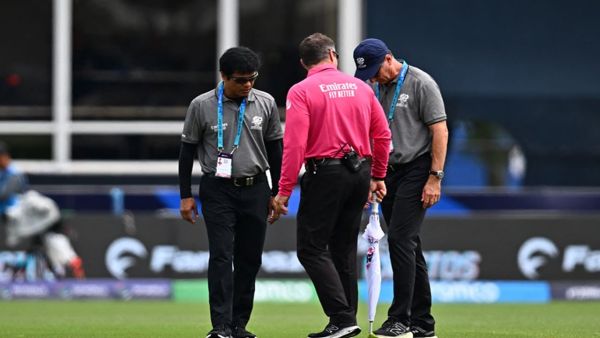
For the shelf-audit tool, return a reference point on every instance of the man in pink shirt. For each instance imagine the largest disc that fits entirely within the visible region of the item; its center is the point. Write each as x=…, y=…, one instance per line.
x=335, y=127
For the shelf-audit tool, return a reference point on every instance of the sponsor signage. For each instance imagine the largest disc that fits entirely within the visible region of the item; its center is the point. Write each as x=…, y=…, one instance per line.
x=575, y=291
x=150, y=246
x=88, y=289
x=474, y=292
x=472, y=248
x=556, y=247
x=285, y=291
x=267, y=290
x=293, y=291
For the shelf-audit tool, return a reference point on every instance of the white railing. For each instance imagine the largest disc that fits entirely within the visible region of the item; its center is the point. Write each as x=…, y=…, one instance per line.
x=62, y=126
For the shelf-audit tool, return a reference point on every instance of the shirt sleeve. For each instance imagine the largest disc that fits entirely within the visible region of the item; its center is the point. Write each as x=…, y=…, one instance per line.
x=431, y=103
x=295, y=138
x=192, y=131
x=381, y=135
x=274, y=131
x=186, y=163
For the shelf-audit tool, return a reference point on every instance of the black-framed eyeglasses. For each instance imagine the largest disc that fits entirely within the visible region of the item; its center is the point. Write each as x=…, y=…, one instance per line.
x=337, y=56
x=243, y=79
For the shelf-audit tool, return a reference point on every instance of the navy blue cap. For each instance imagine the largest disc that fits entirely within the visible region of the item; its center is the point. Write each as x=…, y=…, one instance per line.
x=368, y=56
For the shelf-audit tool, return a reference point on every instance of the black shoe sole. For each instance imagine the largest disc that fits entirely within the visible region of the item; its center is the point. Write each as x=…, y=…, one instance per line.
x=356, y=332
x=403, y=335
x=214, y=335
x=348, y=334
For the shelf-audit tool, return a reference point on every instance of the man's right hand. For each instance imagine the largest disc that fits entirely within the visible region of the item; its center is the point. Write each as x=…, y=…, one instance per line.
x=188, y=209
x=378, y=188
x=279, y=207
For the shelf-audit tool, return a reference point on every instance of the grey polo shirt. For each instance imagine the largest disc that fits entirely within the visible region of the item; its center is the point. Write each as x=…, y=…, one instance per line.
x=419, y=105
x=261, y=124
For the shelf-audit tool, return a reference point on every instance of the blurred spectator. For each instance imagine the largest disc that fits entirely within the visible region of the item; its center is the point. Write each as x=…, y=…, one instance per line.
x=29, y=215
x=12, y=181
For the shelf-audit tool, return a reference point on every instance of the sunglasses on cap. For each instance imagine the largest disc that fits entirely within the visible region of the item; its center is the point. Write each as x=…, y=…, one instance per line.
x=243, y=79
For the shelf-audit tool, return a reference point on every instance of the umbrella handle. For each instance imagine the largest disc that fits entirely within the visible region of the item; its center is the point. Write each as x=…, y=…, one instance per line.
x=374, y=205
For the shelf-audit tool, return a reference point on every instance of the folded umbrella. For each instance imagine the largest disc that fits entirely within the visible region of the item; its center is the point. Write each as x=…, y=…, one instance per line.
x=373, y=234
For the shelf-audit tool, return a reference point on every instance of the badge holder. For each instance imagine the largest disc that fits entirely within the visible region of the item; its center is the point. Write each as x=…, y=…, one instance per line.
x=224, y=166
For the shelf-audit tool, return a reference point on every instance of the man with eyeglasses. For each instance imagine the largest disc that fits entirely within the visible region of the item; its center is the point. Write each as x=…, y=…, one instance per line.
x=415, y=111
x=335, y=128
x=236, y=133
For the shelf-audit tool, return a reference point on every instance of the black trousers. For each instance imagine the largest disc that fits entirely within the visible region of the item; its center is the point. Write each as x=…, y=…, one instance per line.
x=403, y=212
x=236, y=221
x=329, y=214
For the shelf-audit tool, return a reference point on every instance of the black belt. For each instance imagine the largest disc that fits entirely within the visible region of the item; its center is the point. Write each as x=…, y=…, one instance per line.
x=313, y=163
x=323, y=161
x=242, y=181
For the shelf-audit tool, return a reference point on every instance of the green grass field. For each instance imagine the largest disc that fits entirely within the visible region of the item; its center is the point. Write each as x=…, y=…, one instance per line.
x=172, y=319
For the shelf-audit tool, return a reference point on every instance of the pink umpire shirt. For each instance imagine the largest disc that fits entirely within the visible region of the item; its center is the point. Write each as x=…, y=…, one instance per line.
x=323, y=112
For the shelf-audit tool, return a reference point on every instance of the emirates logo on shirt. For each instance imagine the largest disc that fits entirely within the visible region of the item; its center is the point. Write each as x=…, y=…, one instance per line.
x=339, y=90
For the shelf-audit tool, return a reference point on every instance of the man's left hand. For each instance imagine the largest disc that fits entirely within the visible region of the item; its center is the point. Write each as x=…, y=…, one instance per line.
x=431, y=192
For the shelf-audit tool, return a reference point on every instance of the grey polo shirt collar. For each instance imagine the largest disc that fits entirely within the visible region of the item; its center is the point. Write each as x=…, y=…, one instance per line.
x=395, y=80
x=251, y=95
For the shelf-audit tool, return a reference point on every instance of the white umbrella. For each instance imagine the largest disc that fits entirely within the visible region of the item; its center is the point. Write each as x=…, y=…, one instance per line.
x=373, y=234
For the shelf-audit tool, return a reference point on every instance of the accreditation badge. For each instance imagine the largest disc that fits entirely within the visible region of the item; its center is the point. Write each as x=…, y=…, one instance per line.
x=224, y=165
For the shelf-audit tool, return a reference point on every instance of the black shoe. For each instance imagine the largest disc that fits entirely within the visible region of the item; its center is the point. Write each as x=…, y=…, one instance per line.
x=337, y=331
x=219, y=331
x=393, y=328
x=422, y=333
x=240, y=332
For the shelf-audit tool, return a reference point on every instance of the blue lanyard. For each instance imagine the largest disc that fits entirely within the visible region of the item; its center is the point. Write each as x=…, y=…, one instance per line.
x=236, y=142
x=390, y=114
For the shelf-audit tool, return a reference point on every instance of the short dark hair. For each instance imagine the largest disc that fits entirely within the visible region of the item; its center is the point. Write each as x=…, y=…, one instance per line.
x=239, y=59
x=315, y=48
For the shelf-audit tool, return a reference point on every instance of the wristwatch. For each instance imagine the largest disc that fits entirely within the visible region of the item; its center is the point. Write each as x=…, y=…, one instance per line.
x=437, y=173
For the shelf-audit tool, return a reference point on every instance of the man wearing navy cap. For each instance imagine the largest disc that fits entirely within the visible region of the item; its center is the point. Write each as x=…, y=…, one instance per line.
x=415, y=111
